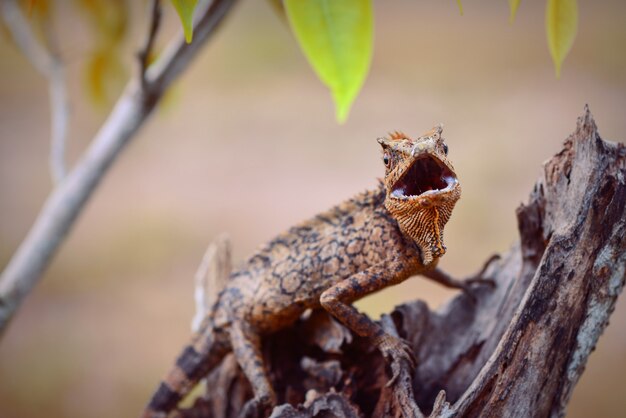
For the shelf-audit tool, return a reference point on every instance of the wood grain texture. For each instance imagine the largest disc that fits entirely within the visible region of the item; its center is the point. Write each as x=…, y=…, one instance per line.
x=517, y=351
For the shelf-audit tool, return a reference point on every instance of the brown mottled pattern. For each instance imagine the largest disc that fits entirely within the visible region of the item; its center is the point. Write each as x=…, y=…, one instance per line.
x=358, y=247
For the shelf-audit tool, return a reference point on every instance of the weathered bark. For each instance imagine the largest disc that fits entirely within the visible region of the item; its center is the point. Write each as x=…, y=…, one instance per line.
x=517, y=351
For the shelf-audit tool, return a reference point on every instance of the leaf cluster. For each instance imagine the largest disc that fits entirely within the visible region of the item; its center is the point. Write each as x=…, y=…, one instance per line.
x=335, y=36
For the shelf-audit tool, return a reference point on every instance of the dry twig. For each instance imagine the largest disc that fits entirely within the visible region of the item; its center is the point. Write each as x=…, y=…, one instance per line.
x=49, y=64
x=144, y=53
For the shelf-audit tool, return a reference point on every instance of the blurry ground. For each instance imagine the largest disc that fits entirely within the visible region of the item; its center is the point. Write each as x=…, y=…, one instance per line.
x=250, y=146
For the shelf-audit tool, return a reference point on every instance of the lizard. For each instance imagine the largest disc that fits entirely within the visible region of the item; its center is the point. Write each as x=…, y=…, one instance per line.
x=376, y=239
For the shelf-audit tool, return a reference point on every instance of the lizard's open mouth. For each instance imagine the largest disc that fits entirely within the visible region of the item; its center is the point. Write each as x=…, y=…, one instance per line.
x=425, y=176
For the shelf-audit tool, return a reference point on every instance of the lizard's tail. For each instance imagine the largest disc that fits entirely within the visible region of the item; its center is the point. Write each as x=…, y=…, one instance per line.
x=205, y=351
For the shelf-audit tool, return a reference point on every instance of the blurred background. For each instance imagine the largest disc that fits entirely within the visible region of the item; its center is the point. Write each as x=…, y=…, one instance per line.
x=247, y=144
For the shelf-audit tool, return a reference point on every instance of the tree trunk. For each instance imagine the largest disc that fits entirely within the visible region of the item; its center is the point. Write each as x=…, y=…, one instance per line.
x=515, y=351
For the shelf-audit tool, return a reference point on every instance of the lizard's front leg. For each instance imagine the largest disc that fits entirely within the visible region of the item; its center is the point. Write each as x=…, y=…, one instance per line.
x=247, y=349
x=445, y=279
x=337, y=300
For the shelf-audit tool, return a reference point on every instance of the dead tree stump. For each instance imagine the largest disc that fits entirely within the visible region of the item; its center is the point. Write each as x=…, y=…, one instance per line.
x=517, y=351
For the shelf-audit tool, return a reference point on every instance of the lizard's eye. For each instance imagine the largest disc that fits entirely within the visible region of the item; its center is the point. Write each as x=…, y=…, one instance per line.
x=386, y=160
x=445, y=149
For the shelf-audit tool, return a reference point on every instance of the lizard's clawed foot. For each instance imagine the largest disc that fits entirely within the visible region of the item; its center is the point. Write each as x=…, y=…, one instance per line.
x=468, y=286
x=478, y=279
x=258, y=407
x=398, y=353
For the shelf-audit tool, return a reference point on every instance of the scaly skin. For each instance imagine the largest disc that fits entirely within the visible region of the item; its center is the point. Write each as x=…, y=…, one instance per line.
x=371, y=241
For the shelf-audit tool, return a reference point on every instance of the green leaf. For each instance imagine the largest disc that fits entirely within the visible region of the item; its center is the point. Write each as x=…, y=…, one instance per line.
x=185, y=9
x=336, y=38
x=561, y=27
x=460, y=6
x=513, y=5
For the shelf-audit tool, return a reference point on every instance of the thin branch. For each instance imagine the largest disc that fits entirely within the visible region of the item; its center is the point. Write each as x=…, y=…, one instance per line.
x=68, y=199
x=176, y=55
x=24, y=38
x=49, y=64
x=144, y=53
x=59, y=109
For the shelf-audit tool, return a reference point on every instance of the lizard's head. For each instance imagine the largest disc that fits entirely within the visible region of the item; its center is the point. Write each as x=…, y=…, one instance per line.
x=421, y=188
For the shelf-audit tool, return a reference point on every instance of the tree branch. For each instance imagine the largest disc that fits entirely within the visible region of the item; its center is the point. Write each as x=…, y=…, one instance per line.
x=144, y=53
x=68, y=199
x=49, y=64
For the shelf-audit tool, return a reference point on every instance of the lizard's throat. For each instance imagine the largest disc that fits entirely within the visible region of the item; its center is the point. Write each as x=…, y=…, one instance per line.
x=423, y=223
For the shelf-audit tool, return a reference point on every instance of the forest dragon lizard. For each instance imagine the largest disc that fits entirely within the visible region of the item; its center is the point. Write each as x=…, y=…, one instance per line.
x=376, y=239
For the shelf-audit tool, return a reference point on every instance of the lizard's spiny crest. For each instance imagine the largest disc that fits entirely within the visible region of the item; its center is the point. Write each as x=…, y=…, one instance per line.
x=397, y=136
